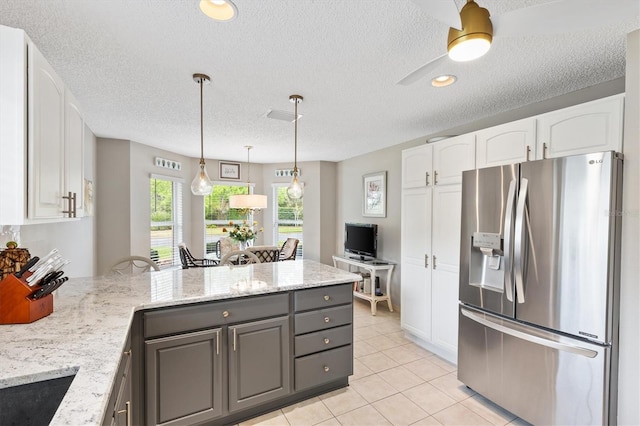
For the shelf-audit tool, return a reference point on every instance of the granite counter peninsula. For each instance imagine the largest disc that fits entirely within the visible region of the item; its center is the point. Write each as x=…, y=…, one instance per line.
x=95, y=319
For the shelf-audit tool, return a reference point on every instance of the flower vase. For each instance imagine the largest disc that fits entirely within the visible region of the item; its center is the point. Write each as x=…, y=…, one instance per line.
x=243, y=245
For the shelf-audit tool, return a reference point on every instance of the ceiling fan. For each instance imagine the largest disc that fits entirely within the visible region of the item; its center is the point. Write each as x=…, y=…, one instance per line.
x=472, y=29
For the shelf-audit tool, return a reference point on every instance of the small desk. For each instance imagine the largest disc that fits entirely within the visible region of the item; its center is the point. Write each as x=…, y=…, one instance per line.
x=372, y=266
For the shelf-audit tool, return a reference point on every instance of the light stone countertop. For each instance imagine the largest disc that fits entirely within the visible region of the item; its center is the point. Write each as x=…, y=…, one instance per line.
x=91, y=317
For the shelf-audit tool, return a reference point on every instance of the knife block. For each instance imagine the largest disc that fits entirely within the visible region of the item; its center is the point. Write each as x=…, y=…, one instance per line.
x=15, y=305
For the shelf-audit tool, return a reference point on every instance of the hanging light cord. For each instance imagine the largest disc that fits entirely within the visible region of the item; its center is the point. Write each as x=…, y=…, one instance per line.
x=295, y=139
x=201, y=126
x=248, y=170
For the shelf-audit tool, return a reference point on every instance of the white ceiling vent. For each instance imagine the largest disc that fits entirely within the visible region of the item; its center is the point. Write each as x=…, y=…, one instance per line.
x=282, y=115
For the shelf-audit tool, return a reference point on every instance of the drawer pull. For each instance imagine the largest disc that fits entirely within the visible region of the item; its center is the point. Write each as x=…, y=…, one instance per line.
x=327, y=319
x=225, y=314
x=326, y=297
x=326, y=369
x=128, y=353
x=326, y=341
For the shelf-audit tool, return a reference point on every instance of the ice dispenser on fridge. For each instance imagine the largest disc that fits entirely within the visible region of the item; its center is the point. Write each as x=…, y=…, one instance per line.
x=486, y=266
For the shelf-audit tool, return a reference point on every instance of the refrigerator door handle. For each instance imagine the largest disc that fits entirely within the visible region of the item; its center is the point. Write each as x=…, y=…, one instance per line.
x=518, y=257
x=508, y=234
x=578, y=350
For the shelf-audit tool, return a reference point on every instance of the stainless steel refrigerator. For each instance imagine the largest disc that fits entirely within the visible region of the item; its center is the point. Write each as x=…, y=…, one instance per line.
x=539, y=280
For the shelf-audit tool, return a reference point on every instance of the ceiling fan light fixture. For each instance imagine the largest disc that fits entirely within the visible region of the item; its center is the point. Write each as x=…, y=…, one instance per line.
x=443, y=80
x=474, y=40
x=219, y=10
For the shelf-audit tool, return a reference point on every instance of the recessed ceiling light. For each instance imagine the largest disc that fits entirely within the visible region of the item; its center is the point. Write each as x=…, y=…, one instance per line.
x=443, y=80
x=219, y=10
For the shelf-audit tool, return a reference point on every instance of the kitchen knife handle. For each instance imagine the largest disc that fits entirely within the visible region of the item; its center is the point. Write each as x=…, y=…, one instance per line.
x=26, y=266
x=508, y=239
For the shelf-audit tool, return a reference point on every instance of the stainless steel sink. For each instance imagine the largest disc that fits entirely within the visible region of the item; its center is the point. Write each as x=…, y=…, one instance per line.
x=32, y=404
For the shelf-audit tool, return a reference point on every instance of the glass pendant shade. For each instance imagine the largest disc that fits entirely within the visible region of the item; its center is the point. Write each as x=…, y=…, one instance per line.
x=294, y=190
x=201, y=184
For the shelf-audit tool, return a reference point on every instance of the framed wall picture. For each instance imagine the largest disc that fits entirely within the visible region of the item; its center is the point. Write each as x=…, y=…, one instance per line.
x=229, y=171
x=375, y=194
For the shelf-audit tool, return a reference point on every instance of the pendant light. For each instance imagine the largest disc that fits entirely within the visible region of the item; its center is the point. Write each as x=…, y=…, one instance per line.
x=295, y=190
x=201, y=184
x=474, y=40
x=248, y=201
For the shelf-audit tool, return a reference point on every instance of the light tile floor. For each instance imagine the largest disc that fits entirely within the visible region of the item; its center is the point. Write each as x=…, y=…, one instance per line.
x=395, y=382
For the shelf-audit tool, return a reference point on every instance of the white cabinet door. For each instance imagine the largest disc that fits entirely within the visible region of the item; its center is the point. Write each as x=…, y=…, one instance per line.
x=589, y=127
x=74, y=152
x=509, y=143
x=453, y=156
x=445, y=263
x=415, y=315
x=46, y=138
x=416, y=166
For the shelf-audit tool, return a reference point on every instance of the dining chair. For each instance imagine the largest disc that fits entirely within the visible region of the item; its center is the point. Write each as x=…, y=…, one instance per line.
x=265, y=253
x=188, y=261
x=132, y=265
x=239, y=257
x=289, y=249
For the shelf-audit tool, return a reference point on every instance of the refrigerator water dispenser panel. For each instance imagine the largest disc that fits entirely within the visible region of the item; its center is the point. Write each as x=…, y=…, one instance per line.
x=486, y=267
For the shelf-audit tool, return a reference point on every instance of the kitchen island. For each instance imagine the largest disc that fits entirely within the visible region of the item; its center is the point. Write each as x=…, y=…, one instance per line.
x=92, y=320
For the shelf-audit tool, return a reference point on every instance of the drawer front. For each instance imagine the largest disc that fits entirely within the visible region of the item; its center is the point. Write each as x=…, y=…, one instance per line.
x=322, y=319
x=323, y=340
x=323, y=367
x=321, y=297
x=207, y=315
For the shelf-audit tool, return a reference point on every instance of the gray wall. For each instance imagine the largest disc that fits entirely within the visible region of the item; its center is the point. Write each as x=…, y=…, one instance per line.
x=76, y=239
x=629, y=374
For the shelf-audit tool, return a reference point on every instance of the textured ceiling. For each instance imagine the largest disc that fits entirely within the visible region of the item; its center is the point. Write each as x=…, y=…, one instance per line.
x=130, y=62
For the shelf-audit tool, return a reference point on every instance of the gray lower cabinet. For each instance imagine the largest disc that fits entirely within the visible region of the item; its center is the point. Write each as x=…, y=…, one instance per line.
x=225, y=361
x=184, y=378
x=119, y=407
x=259, y=362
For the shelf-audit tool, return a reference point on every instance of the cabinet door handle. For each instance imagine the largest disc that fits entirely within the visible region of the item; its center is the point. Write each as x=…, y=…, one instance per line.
x=234, y=339
x=434, y=262
x=128, y=353
x=435, y=177
x=326, y=297
x=426, y=260
x=326, y=341
x=326, y=368
x=426, y=179
x=71, y=210
x=544, y=151
x=127, y=411
x=528, y=152
x=218, y=342
x=327, y=319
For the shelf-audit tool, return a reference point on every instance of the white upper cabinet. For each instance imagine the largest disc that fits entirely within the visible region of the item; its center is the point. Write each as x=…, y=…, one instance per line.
x=451, y=157
x=417, y=166
x=509, y=143
x=46, y=138
x=41, y=136
x=74, y=152
x=589, y=127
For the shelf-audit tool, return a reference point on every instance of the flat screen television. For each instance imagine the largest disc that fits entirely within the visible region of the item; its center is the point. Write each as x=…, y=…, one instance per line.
x=361, y=239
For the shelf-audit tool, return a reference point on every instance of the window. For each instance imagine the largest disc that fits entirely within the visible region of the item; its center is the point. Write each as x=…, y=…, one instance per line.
x=217, y=213
x=166, y=220
x=287, y=217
